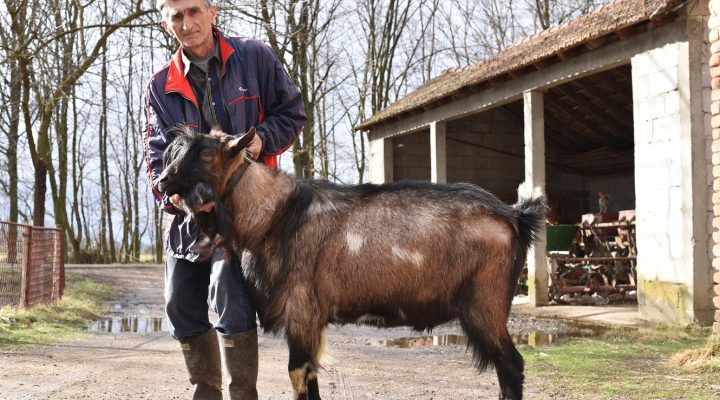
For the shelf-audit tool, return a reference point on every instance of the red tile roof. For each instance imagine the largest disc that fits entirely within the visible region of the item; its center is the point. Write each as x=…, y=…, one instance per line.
x=613, y=17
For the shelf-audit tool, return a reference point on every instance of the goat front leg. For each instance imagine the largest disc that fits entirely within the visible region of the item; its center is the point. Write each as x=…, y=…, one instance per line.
x=303, y=372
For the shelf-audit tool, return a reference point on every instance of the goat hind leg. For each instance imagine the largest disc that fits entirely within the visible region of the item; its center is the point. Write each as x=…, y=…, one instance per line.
x=509, y=366
x=492, y=344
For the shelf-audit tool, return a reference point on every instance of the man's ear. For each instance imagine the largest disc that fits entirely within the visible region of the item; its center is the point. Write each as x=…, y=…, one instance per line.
x=165, y=26
x=236, y=145
x=213, y=13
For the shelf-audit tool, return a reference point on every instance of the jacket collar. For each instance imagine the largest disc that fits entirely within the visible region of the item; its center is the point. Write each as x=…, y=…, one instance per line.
x=176, y=79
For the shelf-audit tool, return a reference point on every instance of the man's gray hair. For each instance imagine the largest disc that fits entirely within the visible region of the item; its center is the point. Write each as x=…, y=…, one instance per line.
x=160, y=4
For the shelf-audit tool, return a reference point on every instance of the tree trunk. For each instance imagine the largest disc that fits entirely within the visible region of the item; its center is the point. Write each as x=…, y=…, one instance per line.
x=39, y=192
x=158, y=222
x=107, y=238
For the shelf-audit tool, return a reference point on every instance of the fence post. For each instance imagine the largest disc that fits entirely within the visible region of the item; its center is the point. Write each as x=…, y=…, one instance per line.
x=58, y=264
x=26, y=266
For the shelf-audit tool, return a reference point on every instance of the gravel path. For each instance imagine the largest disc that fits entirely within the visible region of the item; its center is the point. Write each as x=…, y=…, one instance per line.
x=361, y=363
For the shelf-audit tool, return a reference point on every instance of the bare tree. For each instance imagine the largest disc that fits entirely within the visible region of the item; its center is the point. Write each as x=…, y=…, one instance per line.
x=547, y=13
x=73, y=75
x=35, y=38
x=297, y=31
x=389, y=58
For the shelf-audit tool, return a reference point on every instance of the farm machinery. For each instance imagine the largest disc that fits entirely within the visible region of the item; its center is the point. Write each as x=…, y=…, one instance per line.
x=593, y=262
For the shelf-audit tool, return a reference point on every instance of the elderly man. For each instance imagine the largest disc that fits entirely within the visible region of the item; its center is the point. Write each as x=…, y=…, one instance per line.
x=233, y=83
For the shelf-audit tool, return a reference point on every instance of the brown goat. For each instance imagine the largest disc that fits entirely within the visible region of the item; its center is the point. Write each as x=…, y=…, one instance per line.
x=401, y=254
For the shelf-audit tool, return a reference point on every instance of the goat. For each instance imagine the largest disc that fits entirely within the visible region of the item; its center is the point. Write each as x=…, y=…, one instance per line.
x=399, y=254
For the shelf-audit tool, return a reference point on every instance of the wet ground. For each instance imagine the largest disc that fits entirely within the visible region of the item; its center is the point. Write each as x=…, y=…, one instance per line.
x=131, y=356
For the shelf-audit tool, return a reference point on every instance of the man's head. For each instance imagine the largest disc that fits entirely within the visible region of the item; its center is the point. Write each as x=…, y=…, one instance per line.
x=190, y=22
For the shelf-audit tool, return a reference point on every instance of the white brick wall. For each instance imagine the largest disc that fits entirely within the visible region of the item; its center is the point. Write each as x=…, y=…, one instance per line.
x=658, y=169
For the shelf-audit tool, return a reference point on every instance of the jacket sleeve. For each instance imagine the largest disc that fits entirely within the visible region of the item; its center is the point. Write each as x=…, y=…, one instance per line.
x=282, y=102
x=156, y=140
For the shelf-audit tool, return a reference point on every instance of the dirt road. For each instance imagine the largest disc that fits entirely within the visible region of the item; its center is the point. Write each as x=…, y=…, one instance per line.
x=129, y=365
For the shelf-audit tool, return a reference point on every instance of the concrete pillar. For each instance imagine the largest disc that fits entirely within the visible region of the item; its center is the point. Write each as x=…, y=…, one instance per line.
x=381, y=160
x=438, y=153
x=534, y=117
x=714, y=39
x=671, y=178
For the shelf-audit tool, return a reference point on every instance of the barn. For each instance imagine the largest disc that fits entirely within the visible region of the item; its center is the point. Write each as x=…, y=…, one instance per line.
x=618, y=101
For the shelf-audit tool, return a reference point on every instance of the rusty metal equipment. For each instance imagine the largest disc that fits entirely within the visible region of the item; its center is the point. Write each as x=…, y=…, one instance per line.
x=598, y=265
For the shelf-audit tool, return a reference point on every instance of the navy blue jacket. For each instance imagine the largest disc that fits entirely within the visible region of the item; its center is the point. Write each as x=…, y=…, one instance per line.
x=257, y=92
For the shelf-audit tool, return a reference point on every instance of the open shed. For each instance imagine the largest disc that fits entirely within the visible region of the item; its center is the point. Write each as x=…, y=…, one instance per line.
x=617, y=101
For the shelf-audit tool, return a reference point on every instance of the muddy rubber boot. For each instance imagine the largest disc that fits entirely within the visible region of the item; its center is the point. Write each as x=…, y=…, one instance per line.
x=202, y=359
x=241, y=363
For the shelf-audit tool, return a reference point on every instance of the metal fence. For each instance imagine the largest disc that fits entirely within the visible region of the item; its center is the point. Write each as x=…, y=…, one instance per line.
x=32, y=267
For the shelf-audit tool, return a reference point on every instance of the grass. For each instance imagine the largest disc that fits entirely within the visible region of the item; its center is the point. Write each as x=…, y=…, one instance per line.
x=626, y=365
x=81, y=304
x=706, y=358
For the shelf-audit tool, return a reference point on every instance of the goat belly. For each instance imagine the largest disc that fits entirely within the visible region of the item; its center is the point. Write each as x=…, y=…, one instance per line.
x=419, y=317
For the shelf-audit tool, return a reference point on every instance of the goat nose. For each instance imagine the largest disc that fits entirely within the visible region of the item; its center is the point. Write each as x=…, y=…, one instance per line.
x=164, y=178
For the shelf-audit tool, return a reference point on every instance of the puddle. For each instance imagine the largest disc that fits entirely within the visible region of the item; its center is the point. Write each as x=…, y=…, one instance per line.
x=406, y=343
x=129, y=325
x=533, y=339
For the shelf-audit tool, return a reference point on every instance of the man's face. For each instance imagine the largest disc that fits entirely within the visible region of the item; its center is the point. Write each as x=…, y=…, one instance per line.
x=190, y=21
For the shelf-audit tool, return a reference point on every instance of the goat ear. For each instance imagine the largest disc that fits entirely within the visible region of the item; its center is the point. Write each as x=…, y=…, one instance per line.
x=236, y=145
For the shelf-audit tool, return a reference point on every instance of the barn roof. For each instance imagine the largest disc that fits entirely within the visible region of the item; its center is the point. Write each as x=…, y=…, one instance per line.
x=615, y=21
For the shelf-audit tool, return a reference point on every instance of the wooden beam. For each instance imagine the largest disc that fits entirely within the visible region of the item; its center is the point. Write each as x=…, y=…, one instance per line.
x=589, y=130
x=601, y=117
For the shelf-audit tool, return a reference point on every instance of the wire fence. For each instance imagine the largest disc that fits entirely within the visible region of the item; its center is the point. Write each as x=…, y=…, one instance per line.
x=32, y=267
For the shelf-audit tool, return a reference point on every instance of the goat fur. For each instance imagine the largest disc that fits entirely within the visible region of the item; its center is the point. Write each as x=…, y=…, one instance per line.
x=407, y=253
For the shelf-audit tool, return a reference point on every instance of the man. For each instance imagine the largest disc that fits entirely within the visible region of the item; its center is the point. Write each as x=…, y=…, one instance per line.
x=236, y=84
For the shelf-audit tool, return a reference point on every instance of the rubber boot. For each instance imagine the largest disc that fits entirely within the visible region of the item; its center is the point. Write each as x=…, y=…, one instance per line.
x=241, y=363
x=202, y=359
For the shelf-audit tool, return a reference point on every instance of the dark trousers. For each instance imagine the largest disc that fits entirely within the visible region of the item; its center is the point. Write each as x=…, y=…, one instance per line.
x=192, y=287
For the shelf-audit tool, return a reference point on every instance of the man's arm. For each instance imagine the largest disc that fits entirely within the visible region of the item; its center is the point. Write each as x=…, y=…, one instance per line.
x=156, y=140
x=282, y=105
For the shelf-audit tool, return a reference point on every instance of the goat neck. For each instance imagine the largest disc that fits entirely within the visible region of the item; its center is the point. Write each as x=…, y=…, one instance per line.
x=233, y=176
x=254, y=203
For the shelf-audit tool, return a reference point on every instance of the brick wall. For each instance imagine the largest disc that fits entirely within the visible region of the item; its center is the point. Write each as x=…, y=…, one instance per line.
x=714, y=36
x=500, y=172
x=411, y=156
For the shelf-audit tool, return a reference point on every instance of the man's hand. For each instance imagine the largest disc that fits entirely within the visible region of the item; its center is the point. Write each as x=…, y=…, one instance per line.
x=178, y=202
x=255, y=147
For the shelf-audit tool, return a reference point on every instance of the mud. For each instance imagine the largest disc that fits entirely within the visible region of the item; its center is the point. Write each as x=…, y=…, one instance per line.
x=135, y=358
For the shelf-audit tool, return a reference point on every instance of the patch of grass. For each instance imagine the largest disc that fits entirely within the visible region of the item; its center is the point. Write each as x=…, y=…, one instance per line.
x=706, y=358
x=81, y=304
x=623, y=365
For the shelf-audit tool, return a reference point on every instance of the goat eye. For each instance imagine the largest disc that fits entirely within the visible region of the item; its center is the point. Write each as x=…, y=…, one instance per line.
x=206, y=155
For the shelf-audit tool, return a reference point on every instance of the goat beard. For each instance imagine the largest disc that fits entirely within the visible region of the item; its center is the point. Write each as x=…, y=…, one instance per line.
x=214, y=221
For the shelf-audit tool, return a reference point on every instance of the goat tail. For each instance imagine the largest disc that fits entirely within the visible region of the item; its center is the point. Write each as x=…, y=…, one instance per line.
x=530, y=221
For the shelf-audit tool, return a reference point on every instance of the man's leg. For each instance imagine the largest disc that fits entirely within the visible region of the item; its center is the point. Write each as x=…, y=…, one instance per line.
x=186, y=306
x=236, y=324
